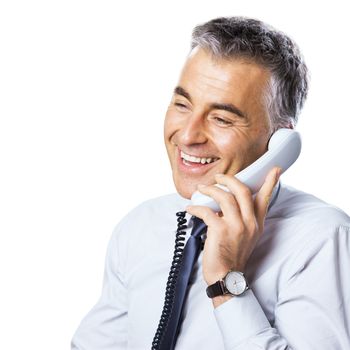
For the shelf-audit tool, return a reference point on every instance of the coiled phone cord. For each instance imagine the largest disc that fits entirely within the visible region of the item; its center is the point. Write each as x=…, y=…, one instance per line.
x=172, y=279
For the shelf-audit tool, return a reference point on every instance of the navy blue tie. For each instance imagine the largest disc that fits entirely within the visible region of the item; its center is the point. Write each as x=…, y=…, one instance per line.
x=190, y=256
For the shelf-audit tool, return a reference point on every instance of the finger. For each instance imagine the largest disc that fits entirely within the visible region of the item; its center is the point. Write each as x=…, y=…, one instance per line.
x=225, y=200
x=205, y=213
x=242, y=194
x=263, y=197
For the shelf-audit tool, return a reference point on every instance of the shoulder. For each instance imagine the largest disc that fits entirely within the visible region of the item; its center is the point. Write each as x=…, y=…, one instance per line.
x=306, y=208
x=301, y=221
x=309, y=231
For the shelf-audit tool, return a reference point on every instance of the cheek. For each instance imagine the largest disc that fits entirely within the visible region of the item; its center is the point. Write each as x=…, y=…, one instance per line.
x=169, y=125
x=239, y=148
x=230, y=142
x=167, y=129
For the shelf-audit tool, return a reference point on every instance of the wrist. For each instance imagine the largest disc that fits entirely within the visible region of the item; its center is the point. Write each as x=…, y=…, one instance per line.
x=215, y=277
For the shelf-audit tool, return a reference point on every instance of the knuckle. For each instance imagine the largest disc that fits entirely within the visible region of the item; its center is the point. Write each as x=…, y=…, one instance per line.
x=246, y=191
x=229, y=196
x=252, y=226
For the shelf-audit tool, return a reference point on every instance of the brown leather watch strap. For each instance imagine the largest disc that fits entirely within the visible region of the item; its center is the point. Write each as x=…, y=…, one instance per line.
x=215, y=289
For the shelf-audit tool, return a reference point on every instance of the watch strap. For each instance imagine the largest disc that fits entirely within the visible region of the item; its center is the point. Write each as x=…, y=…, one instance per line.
x=216, y=289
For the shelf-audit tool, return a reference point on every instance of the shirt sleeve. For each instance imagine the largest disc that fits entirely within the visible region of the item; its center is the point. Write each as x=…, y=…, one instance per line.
x=312, y=309
x=104, y=327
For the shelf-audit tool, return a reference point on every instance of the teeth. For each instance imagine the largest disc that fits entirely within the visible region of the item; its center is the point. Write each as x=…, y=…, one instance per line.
x=197, y=160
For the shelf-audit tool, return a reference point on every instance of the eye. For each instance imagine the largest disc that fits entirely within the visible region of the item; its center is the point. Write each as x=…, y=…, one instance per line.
x=222, y=121
x=180, y=105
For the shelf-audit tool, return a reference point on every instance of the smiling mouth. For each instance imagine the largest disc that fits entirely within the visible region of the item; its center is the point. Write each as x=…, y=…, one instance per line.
x=188, y=159
x=194, y=163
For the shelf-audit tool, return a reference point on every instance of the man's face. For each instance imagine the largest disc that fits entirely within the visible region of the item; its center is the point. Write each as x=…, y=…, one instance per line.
x=218, y=114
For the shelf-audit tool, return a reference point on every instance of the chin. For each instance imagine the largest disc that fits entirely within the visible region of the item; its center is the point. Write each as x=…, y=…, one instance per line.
x=185, y=190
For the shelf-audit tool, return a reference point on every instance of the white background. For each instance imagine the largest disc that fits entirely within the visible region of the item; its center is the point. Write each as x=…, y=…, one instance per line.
x=84, y=86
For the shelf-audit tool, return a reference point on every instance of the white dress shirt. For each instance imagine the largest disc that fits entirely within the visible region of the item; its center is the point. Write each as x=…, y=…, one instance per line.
x=299, y=277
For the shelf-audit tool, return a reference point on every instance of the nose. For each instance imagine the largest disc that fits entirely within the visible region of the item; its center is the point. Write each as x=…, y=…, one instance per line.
x=193, y=130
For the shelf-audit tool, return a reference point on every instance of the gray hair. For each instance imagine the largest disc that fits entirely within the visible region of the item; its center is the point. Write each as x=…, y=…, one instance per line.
x=251, y=39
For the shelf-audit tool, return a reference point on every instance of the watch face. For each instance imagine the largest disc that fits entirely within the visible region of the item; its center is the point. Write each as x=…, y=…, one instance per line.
x=235, y=283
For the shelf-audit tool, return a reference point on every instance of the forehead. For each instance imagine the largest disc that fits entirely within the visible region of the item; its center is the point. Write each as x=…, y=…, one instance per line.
x=236, y=80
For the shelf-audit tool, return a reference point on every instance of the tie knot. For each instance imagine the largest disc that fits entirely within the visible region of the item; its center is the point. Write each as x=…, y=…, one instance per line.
x=198, y=227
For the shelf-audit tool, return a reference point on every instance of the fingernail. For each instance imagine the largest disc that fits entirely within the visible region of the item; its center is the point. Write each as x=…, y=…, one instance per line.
x=200, y=186
x=219, y=175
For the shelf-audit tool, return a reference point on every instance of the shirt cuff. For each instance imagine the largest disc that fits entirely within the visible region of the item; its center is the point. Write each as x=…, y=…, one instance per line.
x=240, y=318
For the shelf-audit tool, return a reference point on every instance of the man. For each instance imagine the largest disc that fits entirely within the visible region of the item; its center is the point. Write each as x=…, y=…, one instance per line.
x=241, y=82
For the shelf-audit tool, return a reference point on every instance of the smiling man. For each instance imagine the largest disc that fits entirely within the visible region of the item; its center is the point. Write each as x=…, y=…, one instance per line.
x=285, y=253
x=217, y=115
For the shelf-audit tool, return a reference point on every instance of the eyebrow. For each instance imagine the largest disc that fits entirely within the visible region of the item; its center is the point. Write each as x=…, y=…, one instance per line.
x=229, y=107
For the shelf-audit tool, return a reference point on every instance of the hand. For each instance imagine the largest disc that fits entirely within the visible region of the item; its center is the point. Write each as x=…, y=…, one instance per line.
x=232, y=233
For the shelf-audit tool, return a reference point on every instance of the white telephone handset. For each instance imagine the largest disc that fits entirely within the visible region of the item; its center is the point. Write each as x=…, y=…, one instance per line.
x=283, y=150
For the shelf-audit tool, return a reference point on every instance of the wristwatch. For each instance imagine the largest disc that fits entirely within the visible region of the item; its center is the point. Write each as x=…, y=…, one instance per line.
x=234, y=283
